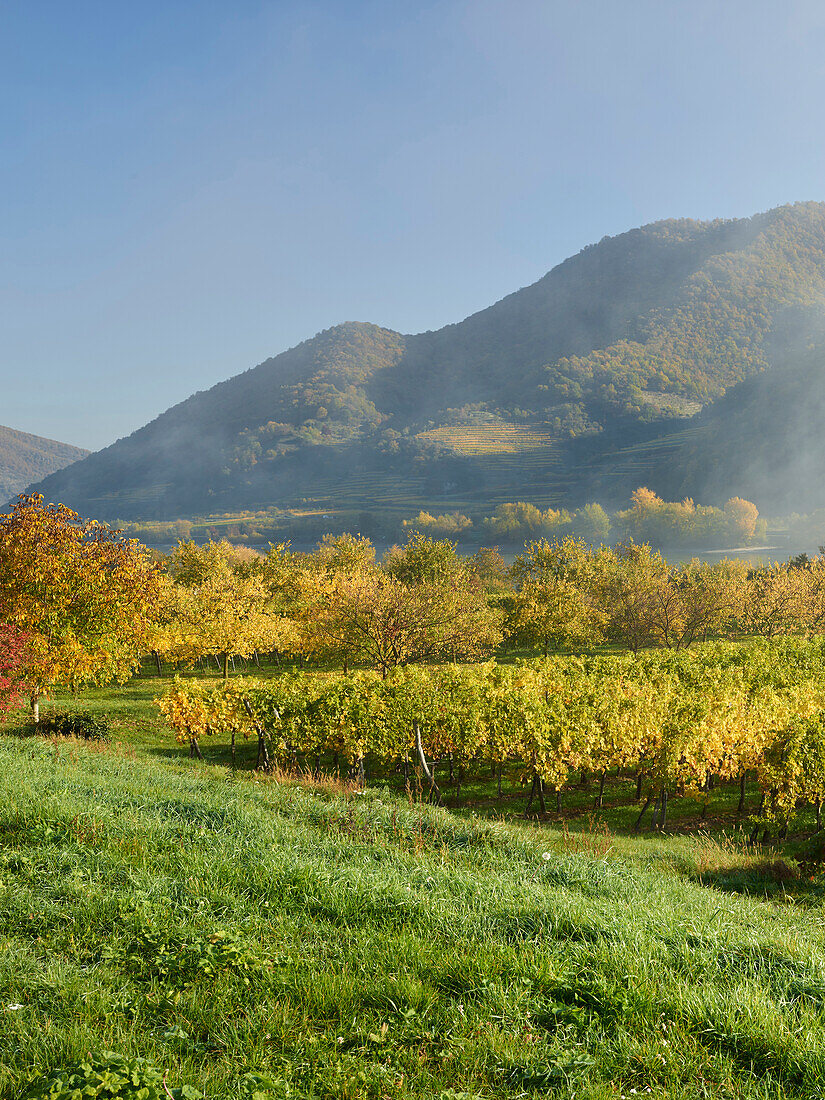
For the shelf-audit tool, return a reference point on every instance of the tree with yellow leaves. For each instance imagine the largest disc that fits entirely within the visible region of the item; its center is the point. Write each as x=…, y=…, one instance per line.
x=83, y=595
x=219, y=605
x=775, y=599
x=424, y=602
x=555, y=603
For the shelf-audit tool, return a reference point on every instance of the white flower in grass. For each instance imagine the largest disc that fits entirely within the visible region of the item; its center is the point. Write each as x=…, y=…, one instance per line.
x=14, y=1008
x=546, y=855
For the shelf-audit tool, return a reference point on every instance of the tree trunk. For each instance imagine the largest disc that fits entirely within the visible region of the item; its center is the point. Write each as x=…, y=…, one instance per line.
x=818, y=808
x=35, y=702
x=663, y=822
x=639, y=783
x=263, y=760
x=540, y=792
x=600, y=796
x=741, y=804
x=156, y=655
x=530, y=799
x=195, y=749
x=641, y=815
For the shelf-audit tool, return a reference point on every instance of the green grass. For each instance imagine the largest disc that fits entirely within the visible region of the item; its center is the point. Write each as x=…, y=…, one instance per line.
x=349, y=944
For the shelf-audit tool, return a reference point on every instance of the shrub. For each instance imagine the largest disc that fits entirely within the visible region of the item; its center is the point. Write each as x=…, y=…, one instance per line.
x=75, y=723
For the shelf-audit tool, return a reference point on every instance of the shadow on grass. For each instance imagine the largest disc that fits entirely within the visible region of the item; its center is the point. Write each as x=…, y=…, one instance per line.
x=776, y=878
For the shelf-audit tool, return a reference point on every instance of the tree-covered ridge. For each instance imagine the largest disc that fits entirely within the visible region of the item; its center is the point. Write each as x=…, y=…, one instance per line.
x=319, y=379
x=25, y=458
x=716, y=332
x=765, y=436
x=620, y=342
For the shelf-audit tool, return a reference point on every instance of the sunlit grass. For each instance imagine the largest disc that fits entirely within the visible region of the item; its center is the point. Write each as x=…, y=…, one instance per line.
x=369, y=946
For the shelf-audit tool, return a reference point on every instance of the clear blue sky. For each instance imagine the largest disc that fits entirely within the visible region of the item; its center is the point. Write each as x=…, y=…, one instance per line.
x=188, y=187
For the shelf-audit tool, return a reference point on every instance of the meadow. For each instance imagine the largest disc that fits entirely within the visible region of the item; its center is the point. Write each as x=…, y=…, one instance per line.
x=273, y=936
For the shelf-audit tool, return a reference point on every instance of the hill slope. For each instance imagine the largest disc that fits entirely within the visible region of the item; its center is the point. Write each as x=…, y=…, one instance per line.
x=25, y=458
x=766, y=436
x=616, y=348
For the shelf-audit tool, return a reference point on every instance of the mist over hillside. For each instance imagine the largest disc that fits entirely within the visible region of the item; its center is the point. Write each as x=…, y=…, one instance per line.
x=766, y=436
x=25, y=458
x=681, y=355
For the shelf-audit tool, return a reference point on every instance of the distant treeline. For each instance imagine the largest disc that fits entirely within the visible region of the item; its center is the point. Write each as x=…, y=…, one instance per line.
x=648, y=519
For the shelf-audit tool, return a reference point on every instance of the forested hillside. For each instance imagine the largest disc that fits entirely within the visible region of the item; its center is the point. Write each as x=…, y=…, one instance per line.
x=588, y=380
x=25, y=458
x=766, y=435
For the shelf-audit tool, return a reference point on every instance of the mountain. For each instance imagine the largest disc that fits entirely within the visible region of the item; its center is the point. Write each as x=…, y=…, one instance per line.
x=25, y=458
x=603, y=375
x=765, y=436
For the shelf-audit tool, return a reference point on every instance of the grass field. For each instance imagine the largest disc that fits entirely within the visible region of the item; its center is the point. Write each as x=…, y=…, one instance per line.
x=337, y=943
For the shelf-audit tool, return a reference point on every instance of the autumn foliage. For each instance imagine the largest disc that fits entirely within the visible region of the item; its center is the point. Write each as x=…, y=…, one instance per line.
x=83, y=596
x=13, y=658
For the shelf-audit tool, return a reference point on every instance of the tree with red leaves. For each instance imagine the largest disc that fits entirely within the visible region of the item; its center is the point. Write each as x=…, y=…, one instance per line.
x=13, y=652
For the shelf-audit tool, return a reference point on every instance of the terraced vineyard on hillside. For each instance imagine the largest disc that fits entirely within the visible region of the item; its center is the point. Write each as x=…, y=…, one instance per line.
x=493, y=437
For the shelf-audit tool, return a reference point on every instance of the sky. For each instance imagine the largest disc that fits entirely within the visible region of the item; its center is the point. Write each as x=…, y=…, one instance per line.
x=189, y=187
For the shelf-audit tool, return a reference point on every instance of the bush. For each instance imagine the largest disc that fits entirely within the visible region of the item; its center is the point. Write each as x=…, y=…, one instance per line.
x=75, y=723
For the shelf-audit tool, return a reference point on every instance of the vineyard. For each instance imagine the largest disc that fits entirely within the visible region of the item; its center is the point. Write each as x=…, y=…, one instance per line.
x=495, y=437
x=674, y=723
